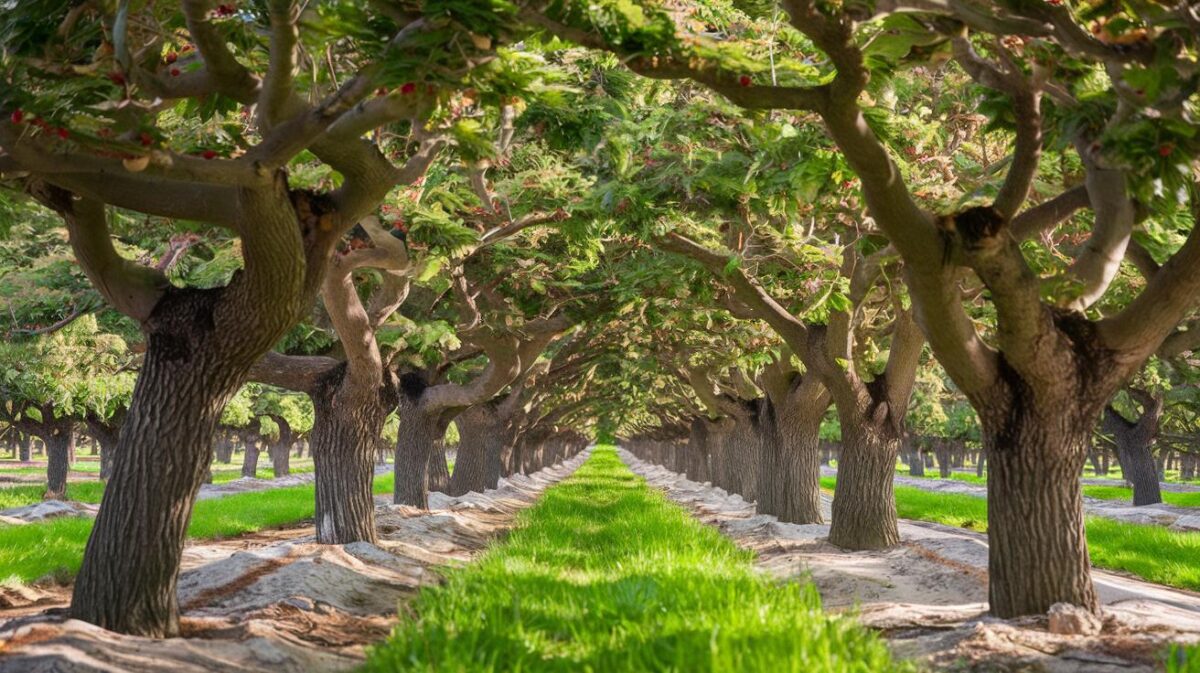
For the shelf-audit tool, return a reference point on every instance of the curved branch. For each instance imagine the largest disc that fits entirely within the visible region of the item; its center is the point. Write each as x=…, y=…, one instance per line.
x=129, y=287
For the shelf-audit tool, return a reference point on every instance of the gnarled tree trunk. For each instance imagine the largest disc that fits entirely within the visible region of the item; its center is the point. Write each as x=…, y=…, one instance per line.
x=1133, y=440
x=1038, y=549
x=864, y=503
x=197, y=357
x=347, y=425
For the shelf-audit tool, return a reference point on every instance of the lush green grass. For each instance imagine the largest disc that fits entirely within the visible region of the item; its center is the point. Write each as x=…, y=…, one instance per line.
x=1151, y=552
x=28, y=494
x=605, y=574
x=1122, y=493
x=54, y=548
x=90, y=491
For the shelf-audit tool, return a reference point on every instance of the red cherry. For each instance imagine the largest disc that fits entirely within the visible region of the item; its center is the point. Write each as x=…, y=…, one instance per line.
x=116, y=78
x=408, y=87
x=1166, y=150
x=209, y=154
x=63, y=133
x=172, y=57
x=145, y=139
x=17, y=116
x=187, y=48
x=174, y=72
x=745, y=80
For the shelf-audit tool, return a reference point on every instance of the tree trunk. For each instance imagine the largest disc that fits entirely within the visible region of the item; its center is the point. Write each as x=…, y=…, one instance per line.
x=199, y=351
x=1187, y=467
x=942, y=449
x=347, y=425
x=743, y=448
x=414, y=447
x=478, y=465
x=1133, y=441
x=25, y=446
x=796, y=474
x=1137, y=463
x=864, y=504
x=980, y=464
x=916, y=458
x=250, y=458
x=439, y=471
x=1037, y=548
x=698, y=451
x=224, y=449
x=281, y=455
x=57, y=463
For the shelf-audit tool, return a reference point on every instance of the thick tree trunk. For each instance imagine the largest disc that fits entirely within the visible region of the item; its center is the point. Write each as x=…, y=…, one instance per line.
x=414, y=446
x=980, y=464
x=1037, y=548
x=864, y=504
x=195, y=361
x=743, y=449
x=796, y=471
x=58, y=463
x=698, y=451
x=1187, y=467
x=250, y=459
x=281, y=455
x=224, y=449
x=480, y=450
x=1138, y=466
x=347, y=425
x=438, y=470
x=1133, y=441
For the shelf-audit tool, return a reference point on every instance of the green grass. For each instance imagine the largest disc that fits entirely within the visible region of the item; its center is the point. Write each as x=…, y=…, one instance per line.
x=1153, y=553
x=55, y=548
x=1123, y=493
x=28, y=494
x=605, y=574
x=90, y=491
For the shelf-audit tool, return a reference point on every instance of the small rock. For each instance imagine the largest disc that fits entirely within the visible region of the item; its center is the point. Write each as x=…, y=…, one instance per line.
x=1072, y=620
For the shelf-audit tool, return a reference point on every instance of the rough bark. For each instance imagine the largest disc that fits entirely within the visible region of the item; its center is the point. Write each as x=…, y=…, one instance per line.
x=58, y=462
x=280, y=454
x=1133, y=441
x=480, y=450
x=864, y=504
x=1039, y=553
x=790, y=473
x=347, y=425
x=24, y=447
x=438, y=478
x=250, y=457
x=414, y=447
x=198, y=354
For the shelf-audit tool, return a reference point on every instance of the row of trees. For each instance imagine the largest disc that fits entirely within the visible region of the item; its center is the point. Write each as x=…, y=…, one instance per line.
x=835, y=211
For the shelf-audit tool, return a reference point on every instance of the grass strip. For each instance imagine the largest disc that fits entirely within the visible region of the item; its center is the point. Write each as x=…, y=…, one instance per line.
x=1153, y=553
x=1189, y=499
x=55, y=548
x=91, y=491
x=606, y=574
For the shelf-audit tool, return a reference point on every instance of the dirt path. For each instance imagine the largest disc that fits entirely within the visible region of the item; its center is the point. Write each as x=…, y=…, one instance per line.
x=929, y=594
x=278, y=602
x=1184, y=519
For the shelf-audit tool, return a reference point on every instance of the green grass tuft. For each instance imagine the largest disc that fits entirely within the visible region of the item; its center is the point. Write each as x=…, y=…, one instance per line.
x=605, y=574
x=55, y=548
